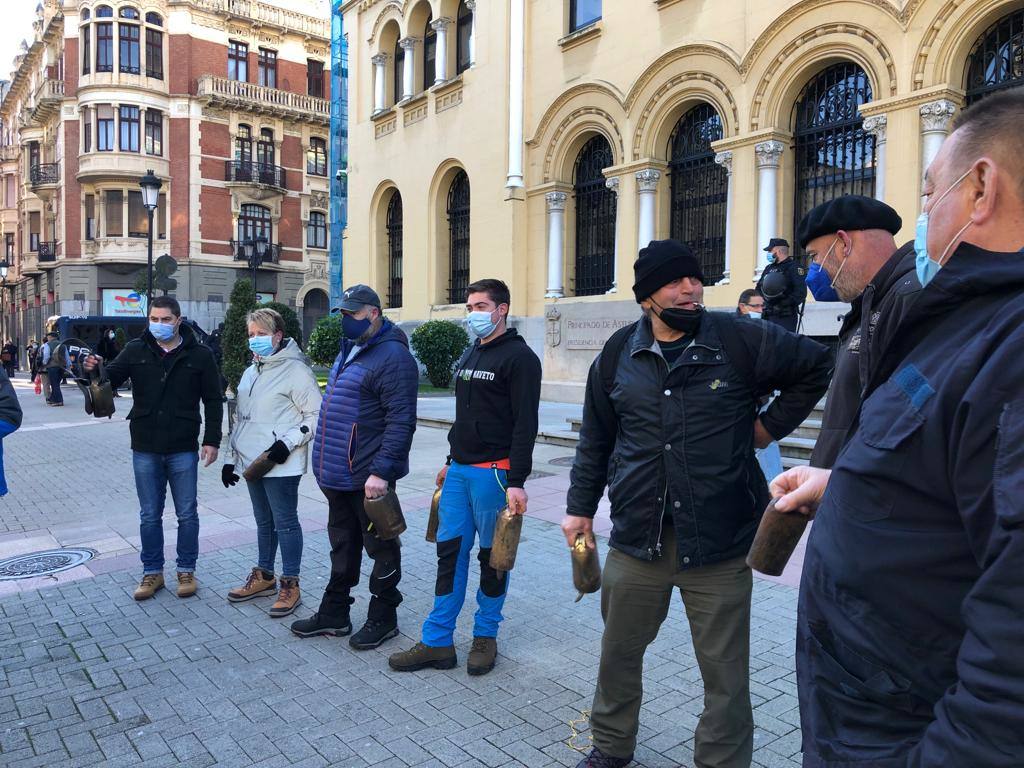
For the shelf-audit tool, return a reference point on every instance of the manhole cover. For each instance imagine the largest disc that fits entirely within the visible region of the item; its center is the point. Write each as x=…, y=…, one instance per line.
x=42, y=563
x=563, y=461
x=538, y=474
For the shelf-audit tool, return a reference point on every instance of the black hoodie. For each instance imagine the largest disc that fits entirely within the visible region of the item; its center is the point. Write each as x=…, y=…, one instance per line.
x=497, y=393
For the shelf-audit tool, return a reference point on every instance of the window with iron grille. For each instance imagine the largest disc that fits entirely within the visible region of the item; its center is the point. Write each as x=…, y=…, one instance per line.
x=104, y=47
x=129, y=48
x=238, y=61
x=463, y=33
x=458, y=238
x=267, y=67
x=583, y=13
x=997, y=59
x=834, y=155
x=595, y=220
x=316, y=230
x=699, y=189
x=429, y=54
x=316, y=157
x=315, y=78
x=394, y=230
x=155, y=54
x=129, y=120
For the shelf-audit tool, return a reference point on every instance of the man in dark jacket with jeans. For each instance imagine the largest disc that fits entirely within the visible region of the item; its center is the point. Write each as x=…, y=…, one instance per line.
x=909, y=631
x=171, y=372
x=360, y=449
x=670, y=426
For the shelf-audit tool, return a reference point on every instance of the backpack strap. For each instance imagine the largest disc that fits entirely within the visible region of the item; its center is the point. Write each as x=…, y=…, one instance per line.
x=737, y=350
x=608, y=365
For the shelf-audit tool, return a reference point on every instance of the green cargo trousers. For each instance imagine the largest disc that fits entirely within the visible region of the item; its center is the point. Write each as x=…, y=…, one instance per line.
x=635, y=597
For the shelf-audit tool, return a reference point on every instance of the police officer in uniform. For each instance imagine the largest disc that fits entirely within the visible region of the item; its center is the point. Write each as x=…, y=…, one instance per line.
x=782, y=285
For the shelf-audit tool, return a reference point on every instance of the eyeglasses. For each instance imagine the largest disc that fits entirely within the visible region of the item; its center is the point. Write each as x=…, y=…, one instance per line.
x=754, y=306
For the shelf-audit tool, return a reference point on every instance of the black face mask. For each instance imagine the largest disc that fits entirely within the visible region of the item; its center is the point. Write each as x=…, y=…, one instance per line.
x=685, y=320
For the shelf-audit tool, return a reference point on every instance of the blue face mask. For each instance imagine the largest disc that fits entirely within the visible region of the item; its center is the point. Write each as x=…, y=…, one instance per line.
x=162, y=331
x=354, y=329
x=819, y=283
x=754, y=315
x=480, y=324
x=927, y=267
x=262, y=345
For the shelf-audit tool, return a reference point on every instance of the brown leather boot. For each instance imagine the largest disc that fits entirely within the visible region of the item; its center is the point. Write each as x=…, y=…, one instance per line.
x=421, y=656
x=187, y=584
x=482, y=655
x=288, y=599
x=258, y=584
x=150, y=583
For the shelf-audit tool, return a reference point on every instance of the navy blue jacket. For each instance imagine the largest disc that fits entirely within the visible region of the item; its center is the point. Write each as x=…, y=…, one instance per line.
x=368, y=415
x=910, y=640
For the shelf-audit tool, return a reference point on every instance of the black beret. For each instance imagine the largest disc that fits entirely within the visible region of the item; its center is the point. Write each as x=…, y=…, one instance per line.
x=661, y=262
x=849, y=212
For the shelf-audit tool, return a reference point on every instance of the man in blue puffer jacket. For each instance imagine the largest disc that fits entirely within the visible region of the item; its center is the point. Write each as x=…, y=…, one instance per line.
x=361, y=448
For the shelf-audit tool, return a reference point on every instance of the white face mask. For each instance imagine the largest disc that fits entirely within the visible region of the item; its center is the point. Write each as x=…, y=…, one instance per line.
x=754, y=315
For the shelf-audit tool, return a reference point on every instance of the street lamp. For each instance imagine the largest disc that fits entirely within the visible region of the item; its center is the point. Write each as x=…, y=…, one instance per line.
x=150, y=196
x=257, y=255
x=4, y=268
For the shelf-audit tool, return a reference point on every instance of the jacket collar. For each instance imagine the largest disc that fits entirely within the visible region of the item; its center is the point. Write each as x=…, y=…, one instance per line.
x=643, y=338
x=188, y=338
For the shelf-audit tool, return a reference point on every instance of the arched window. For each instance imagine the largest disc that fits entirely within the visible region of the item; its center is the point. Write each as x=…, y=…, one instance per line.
x=394, y=231
x=104, y=12
x=155, y=19
x=128, y=13
x=316, y=230
x=429, y=53
x=699, y=189
x=316, y=157
x=154, y=46
x=458, y=238
x=265, y=147
x=834, y=156
x=243, y=144
x=463, y=33
x=595, y=220
x=997, y=59
x=399, y=72
x=85, y=33
x=84, y=16
x=253, y=221
x=128, y=40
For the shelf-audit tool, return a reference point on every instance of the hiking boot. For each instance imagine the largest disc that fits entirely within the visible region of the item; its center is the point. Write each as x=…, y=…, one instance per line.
x=287, y=600
x=318, y=624
x=187, y=584
x=373, y=633
x=422, y=656
x=258, y=584
x=150, y=583
x=598, y=759
x=481, y=655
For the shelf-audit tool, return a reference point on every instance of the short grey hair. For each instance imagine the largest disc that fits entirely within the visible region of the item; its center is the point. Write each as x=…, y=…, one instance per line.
x=267, y=319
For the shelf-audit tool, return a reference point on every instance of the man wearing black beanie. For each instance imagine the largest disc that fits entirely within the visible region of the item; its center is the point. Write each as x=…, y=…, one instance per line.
x=669, y=426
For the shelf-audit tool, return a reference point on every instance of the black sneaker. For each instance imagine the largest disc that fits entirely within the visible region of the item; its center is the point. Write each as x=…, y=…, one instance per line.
x=373, y=633
x=598, y=759
x=322, y=625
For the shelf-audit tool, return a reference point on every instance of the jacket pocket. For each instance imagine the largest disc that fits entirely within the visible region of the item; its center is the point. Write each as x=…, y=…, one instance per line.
x=353, y=437
x=893, y=413
x=188, y=415
x=1009, y=470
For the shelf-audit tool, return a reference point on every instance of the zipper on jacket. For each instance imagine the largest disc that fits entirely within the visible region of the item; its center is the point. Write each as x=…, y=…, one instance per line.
x=351, y=439
x=656, y=549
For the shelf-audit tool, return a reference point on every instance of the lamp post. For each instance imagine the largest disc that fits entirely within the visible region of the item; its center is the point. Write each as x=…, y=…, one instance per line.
x=150, y=196
x=257, y=255
x=4, y=267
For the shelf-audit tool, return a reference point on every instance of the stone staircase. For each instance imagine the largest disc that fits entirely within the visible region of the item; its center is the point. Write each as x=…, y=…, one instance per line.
x=796, y=449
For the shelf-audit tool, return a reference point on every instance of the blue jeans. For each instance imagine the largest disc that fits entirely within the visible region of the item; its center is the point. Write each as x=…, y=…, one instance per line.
x=6, y=428
x=770, y=459
x=55, y=375
x=153, y=472
x=470, y=502
x=275, y=505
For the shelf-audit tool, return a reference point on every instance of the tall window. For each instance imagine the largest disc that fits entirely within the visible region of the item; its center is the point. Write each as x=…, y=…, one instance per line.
x=429, y=54
x=33, y=231
x=138, y=226
x=316, y=230
x=595, y=220
x=834, y=156
x=997, y=60
x=154, y=132
x=90, y=216
x=265, y=147
x=700, y=189
x=315, y=78
x=86, y=35
x=458, y=238
x=243, y=144
x=9, y=247
x=267, y=63
x=394, y=230
x=129, y=120
x=33, y=154
x=316, y=157
x=129, y=47
x=104, y=46
x=86, y=129
x=399, y=72
x=582, y=13
x=114, y=199
x=238, y=61
x=463, y=33
x=155, y=53
x=105, y=128
x=253, y=221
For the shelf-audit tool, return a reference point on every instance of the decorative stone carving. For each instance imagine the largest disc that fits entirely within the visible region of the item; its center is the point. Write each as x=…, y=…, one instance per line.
x=936, y=116
x=724, y=159
x=556, y=201
x=613, y=184
x=768, y=153
x=876, y=125
x=554, y=326
x=647, y=179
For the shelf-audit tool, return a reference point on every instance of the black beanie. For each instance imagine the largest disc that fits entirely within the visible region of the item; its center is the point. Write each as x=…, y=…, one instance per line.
x=661, y=262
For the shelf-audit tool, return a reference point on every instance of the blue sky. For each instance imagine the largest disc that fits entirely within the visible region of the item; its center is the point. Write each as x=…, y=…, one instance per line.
x=17, y=17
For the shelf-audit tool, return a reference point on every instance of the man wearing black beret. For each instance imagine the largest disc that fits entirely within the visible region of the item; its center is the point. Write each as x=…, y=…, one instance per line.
x=782, y=285
x=854, y=258
x=669, y=427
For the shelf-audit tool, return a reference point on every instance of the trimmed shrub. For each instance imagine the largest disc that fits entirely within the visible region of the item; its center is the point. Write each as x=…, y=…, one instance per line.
x=235, y=339
x=324, y=341
x=292, y=329
x=438, y=345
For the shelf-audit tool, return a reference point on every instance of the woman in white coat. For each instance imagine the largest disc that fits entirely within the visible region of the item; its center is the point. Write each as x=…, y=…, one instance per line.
x=277, y=404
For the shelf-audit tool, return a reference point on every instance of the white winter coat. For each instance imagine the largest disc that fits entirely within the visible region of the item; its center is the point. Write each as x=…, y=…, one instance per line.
x=277, y=397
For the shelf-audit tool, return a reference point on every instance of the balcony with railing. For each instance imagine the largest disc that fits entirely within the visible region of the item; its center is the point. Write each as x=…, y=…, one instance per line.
x=9, y=152
x=47, y=251
x=44, y=175
x=249, y=172
x=264, y=14
x=47, y=99
x=272, y=256
x=259, y=99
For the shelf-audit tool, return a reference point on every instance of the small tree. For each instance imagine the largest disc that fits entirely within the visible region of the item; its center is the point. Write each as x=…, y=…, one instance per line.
x=438, y=345
x=292, y=329
x=324, y=341
x=120, y=338
x=235, y=339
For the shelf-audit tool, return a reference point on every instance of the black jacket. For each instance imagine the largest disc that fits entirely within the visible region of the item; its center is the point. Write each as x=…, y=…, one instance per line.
x=866, y=331
x=687, y=435
x=497, y=394
x=909, y=651
x=788, y=303
x=10, y=408
x=166, y=393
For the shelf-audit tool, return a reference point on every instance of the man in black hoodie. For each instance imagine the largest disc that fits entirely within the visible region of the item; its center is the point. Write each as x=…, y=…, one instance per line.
x=497, y=393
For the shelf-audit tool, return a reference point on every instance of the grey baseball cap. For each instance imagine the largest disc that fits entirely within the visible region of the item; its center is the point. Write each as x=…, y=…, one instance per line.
x=356, y=297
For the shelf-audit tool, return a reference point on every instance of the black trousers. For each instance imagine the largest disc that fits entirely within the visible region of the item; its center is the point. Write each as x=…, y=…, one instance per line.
x=55, y=375
x=347, y=530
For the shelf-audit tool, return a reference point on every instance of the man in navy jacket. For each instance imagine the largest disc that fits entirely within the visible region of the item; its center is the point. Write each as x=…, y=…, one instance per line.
x=909, y=638
x=361, y=448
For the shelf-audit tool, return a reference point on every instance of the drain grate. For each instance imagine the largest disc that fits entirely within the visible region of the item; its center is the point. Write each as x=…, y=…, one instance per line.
x=563, y=461
x=43, y=563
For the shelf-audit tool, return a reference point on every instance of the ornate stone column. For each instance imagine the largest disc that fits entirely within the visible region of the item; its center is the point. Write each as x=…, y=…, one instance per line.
x=936, y=117
x=409, y=69
x=556, y=244
x=647, y=186
x=380, y=82
x=471, y=5
x=613, y=184
x=768, y=155
x=876, y=125
x=440, y=26
x=516, y=88
x=724, y=159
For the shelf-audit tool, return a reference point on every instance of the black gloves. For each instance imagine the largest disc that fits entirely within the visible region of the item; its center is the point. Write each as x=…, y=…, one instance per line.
x=278, y=452
x=228, y=476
